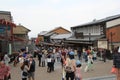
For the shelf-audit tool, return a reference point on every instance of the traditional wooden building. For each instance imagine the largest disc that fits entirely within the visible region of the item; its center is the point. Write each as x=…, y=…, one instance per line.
x=88, y=34
x=21, y=36
x=60, y=38
x=45, y=37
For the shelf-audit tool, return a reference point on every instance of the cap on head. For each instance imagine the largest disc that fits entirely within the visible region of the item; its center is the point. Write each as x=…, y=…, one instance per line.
x=71, y=53
x=78, y=62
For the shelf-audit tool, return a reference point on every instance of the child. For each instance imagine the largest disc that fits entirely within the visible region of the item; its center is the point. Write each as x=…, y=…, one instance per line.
x=78, y=71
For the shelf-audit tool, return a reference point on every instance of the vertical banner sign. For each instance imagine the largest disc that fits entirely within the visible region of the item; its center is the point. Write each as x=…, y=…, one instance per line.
x=10, y=49
x=27, y=49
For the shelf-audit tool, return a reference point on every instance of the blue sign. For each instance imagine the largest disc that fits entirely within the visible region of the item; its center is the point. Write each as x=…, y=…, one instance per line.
x=2, y=30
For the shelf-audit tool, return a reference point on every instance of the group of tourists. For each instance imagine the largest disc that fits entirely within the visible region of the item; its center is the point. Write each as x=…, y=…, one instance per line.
x=27, y=65
x=66, y=56
x=26, y=62
x=71, y=65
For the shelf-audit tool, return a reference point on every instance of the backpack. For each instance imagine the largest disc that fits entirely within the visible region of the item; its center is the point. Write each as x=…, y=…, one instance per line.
x=68, y=68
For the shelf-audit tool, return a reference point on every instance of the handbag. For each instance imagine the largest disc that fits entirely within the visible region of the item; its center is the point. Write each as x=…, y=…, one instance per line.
x=91, y=62
x=114, y=70
x=25, y=73
x=68, y=69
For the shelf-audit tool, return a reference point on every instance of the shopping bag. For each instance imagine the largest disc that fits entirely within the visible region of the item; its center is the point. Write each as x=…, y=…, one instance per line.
x=119, y=49
x=114, y=70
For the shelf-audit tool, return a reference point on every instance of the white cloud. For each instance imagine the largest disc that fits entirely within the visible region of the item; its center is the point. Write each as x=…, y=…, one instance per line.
x=55, y=1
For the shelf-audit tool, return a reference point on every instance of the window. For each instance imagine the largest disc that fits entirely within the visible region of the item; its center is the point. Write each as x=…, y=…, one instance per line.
x=79, y=35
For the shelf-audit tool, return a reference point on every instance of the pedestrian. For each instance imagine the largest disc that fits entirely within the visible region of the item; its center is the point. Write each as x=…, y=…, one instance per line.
x=25, y=68
x=49, y=63
x=31, y=72
x=39, y=58
x=116, y=62
x=63, y=57
x=6, y=58
x=104, y=55
x=52, y=60
x=16, y=60
x=43, y=59
x=35, y=53
x=79, y=53
x=85, y=55
x=4, y=71
x=58, y=56
x=89, y=63
x=78, y=75
x=94, y=53
x=70, y=66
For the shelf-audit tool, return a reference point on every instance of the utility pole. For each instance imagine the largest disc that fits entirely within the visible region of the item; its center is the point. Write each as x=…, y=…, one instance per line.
x=6, y=37
x=111, y=35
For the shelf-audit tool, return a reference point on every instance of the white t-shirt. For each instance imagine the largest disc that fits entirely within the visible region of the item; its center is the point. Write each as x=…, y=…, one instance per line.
x=21, y=59
x=48, y=59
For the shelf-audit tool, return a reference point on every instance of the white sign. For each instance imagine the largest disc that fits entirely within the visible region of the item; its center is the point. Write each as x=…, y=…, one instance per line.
x=119, y=50
x=103, y=44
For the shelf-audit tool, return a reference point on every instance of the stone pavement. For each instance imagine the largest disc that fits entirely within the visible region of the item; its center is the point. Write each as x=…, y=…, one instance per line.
x=101, y=72
x=112, y=77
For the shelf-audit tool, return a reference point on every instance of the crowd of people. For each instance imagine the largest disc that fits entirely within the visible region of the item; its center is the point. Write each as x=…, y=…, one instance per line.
x=71, y=66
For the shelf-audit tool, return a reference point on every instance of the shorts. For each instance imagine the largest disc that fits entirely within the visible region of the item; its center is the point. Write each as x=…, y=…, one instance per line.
x=31, y=74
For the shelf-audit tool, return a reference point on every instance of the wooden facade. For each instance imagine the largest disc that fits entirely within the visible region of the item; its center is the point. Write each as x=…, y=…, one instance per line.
x=45, y=37
x=107, y=28
x=88, y=34
x=21, y=32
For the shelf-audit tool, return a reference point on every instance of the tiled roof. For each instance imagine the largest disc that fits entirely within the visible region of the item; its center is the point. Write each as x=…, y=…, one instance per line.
x=49, y=34
x=5, y=12
x=43, y=33
x=20, y=30
x=99, y=21
x=61, y=36
x=58, y=28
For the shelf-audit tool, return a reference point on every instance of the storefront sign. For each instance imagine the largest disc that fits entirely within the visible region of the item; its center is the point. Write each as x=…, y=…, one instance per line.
x=103, y=44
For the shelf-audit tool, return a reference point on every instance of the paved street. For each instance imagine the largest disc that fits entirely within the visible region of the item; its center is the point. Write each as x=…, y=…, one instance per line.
x=101, y=72
x=112, y=77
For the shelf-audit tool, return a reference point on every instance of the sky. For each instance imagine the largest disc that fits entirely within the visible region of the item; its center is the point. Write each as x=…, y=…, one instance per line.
x=45, y=15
